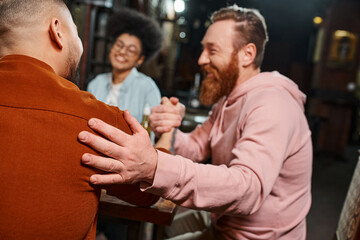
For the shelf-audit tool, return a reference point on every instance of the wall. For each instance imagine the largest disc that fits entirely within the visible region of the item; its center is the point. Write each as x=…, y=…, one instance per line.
x=336, y=67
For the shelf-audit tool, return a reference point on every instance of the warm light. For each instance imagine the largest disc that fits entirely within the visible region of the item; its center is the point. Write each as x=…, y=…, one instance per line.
x=179, y=6
x=342, y=33
x=169, y=6
x=207, y=24
x=317, y=20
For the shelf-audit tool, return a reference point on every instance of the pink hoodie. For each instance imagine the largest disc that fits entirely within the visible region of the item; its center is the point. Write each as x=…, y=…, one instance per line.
x=258, y=185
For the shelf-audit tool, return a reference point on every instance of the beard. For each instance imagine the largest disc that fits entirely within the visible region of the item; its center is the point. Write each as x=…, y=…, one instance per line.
x=73, y=74
x=72, y=65
x=220, y=83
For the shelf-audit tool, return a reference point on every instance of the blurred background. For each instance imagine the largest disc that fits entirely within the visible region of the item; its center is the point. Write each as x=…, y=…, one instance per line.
x=313, y=42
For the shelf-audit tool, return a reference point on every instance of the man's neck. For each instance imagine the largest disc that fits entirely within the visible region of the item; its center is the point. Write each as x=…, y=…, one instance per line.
x=246, y=74
x=42, y=52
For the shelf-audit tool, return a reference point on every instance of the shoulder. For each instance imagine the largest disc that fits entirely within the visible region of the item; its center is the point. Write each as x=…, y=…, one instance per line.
x=269, y=96
x=146, y=82
x=141, y=77
x=272, y=106
x=88, y=107
x=100, y=79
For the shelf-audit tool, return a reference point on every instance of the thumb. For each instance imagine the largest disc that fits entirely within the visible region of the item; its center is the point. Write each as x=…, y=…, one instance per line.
x=174, y=100
x=132, y=122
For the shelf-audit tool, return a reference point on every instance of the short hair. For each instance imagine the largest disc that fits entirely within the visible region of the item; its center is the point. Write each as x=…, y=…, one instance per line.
x=137, y=24
x=250, y=28
x=15, y=13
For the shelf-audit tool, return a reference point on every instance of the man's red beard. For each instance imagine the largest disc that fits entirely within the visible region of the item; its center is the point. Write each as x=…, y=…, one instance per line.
x=220, y=83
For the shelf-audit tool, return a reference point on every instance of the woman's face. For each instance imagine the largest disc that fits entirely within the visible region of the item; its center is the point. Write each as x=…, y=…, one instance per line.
x=125, y=53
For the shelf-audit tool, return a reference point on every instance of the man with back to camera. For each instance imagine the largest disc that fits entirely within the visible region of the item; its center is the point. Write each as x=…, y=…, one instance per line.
x=257, y=136
x=45, y=190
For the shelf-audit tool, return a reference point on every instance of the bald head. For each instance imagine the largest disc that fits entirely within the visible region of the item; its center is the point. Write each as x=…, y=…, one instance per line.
x=15, y=14
x=43, y=29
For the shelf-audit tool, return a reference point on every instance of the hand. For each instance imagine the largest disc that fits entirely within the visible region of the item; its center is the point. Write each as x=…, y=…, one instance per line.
x=130, y=158
x=166, y=116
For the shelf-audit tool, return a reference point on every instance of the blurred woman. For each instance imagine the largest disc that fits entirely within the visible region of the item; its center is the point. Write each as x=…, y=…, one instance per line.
x=137, y=38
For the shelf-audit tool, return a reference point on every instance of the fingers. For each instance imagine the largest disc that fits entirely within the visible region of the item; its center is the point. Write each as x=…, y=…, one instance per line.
x=164, y=100
x=102, y=163
x=165, y=109
x=133, y=123
x=112, y=133
x=159, y=129
x=182, y=110
x=162, y=129
x=103, y=179
x=167, y=115
x=174, y=100
x=159, y=117
x=164, y=119
x=102, y=145
x=164, y=122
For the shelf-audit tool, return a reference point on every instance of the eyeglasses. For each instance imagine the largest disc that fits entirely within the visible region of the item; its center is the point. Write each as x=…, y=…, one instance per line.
x=130, y=50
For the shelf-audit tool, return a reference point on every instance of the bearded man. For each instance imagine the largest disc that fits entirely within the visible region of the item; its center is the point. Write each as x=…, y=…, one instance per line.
x=258, y=183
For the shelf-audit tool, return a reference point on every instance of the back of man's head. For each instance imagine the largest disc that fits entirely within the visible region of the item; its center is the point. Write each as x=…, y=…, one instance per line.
x=250, y=28
x=20, y=15
x=42, y=29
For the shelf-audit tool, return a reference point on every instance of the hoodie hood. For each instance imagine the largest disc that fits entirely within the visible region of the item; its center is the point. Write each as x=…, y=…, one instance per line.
x=268, y=80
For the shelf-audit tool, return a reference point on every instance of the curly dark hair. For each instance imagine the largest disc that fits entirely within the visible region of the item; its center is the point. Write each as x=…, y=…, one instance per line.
x=137, y=24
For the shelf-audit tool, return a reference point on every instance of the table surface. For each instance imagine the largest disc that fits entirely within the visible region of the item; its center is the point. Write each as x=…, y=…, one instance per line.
x=161, y=212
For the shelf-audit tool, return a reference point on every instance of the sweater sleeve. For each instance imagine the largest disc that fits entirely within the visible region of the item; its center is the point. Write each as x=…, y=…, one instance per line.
x=242, y=185
x=196, y=145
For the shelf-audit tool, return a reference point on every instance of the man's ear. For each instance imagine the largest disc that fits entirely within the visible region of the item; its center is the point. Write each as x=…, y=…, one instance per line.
x=248, y=54
x=55, y=33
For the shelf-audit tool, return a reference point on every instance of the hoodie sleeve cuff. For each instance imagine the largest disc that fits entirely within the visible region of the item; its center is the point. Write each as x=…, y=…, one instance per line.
x=167, y=176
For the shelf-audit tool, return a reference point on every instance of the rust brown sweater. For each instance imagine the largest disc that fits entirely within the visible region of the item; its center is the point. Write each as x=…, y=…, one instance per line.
x=44, y=188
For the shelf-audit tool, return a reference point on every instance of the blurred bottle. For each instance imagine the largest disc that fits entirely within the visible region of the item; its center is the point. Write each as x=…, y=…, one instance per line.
x=194, y=101
x=145, y=122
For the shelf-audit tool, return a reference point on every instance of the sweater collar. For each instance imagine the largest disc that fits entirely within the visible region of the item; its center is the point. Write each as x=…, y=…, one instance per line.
x=27, y=59
x=129, y=80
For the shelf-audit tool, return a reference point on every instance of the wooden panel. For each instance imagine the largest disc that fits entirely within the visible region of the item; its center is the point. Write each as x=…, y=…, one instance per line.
x=341, y=16
x=338, y=105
